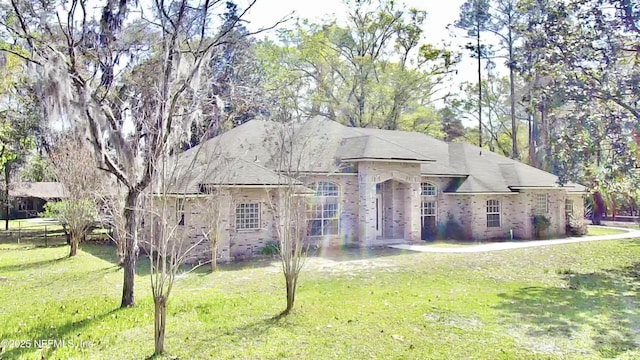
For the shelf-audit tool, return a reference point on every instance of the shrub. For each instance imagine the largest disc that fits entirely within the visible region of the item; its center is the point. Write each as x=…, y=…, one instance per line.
x=564, y=271
x=271, y=248
x=450, y=230
x=576, y=227
x=540, y=225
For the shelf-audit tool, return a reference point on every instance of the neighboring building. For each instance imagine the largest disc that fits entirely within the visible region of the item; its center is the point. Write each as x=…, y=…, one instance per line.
x=27, y=199
x=372, y=187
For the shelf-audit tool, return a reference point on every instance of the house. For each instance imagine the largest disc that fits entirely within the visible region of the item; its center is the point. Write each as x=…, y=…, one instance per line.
x=371, y=187
x=28, y=198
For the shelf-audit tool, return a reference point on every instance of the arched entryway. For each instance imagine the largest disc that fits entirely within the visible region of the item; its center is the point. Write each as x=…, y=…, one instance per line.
x=391, y=213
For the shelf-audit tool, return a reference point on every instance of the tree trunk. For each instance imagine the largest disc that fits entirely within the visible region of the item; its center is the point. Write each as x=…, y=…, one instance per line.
x=75, y=239
x=120, y=244
x=512, y=86
x=542, y=138
x=479, y=89
x=7, y=172
x=214, y=255
x=159, y=323
x=597, y=208
x=131, y=248
x=67, y=235
x=514, y=127
x=290, y=279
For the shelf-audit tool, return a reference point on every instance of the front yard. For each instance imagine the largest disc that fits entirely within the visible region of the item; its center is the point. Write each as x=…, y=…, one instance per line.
x=572, y=301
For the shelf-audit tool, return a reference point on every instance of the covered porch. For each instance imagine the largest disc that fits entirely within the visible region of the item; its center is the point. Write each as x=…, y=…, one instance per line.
x=389, y=210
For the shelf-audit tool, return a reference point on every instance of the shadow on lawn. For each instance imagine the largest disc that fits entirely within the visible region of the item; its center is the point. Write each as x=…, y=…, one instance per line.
x=30, y=265
x=605, y=302
x=68, y=332
x=108, y=253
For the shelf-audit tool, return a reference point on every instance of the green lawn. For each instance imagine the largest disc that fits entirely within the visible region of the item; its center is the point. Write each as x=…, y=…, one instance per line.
x=597, y=231
x=30, y=225
x=576, y=301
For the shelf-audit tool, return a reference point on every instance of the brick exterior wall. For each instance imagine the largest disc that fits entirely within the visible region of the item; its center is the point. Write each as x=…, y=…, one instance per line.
x=399, y=188
x=516, y=212
x=401, y=184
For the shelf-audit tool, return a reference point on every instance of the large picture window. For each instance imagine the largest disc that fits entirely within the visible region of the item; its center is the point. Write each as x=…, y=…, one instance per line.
x=324, y=209
x=248, y=216
x=493, y=213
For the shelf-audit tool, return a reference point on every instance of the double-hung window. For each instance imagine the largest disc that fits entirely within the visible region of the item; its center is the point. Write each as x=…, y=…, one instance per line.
x=493, y=213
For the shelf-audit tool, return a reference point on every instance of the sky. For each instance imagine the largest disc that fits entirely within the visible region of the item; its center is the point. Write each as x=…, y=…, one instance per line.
x=440, y=13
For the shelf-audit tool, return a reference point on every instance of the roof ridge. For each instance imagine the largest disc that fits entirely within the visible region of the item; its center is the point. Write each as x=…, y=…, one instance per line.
x=395, y=144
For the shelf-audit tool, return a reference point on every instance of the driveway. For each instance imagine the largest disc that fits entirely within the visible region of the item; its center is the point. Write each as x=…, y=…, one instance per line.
x=517, y=244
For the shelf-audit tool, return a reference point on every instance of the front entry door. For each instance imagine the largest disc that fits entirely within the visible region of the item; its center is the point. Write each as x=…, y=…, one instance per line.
x=379, y=214
x=428, y=213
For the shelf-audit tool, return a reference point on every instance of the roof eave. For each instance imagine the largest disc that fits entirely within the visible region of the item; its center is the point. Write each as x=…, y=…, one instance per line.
x=445, y=175
x=420, y=161
x=536, y=187
x=481, y=193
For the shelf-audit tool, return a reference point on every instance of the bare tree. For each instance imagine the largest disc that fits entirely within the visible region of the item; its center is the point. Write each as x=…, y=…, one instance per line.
x=290, y=204
x=134, y=89
x=74, y=167
x=168, y=251
x=110, y=200
x=214, y=211
x=192, y=178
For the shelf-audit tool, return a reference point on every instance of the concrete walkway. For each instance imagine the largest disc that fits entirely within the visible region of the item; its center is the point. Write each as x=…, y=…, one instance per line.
x=630, y=233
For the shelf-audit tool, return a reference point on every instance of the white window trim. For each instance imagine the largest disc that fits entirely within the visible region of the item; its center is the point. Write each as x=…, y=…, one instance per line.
x=572, y=211
x=259, y=218
x=323, y=200
x=499, y=213
x=180, y=213
x=435, y=208
x=536, y=209
x=435, y=189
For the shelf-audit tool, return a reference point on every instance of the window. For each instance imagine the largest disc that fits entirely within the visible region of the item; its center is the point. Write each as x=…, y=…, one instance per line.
x=25, y=204
x=248, y=216
x=180, y=211
x=323, y=212
x=568, y=208
x=429, y=189
x=208, y=188
x=540, y=204
x=428, y=208
x=493, y=213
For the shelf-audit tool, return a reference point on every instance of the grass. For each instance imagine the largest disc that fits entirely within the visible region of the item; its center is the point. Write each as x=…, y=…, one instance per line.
x=575, y=301
x=36, y=224
x=29, y=233
x=598, y=231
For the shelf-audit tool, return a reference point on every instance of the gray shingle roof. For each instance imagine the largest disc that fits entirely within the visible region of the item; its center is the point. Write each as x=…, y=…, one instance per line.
x=372, y=147
x=491, y=172
x=227, y=172
x=250, y=154
x=42, y=190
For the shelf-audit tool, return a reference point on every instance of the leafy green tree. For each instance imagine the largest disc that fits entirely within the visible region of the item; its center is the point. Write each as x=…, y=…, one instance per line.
x=474, y=18
x=134, y=90
x=372, y=72
x=581, y=59
x=496, y=126
x=19, y=119
x=504, y=19
x=37, y=169
x=77, y=216
x=452, y=126
x=237, y=91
